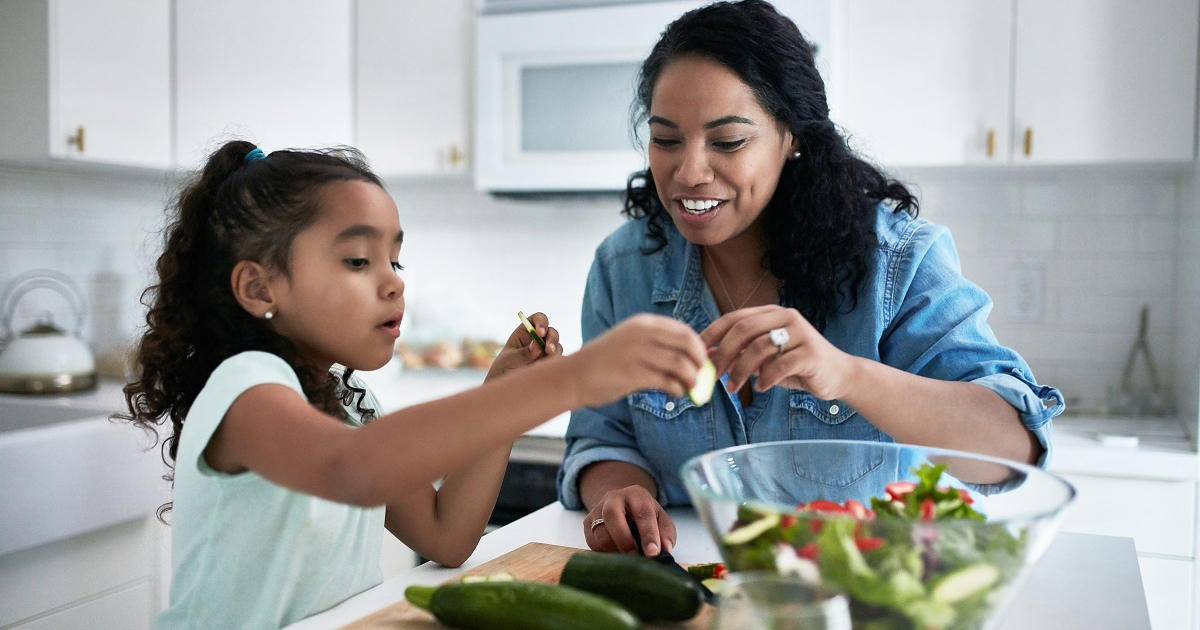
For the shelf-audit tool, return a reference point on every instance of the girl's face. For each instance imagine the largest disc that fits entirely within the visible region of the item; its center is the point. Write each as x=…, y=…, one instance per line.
x=715, y=153
x=342, y=300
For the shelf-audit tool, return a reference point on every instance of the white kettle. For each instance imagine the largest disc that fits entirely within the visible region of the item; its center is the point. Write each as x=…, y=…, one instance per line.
x=43, y=358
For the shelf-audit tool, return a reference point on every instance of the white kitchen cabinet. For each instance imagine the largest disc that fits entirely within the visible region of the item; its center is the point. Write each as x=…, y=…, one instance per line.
x=954, y=82
x=413, y=93
x=1147, y=493
x=1170, y=592
x=925, y=81
x=275, y=72
x=86, y=81
x=127, y=609
x=102, y=579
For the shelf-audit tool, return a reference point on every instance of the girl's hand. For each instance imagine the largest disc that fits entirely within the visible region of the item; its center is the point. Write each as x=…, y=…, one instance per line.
x=622, y=509
x=521, y=349
x=643, y=352
x=807, y=361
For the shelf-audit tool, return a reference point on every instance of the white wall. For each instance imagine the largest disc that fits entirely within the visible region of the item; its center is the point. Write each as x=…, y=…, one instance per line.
x=1103, y=241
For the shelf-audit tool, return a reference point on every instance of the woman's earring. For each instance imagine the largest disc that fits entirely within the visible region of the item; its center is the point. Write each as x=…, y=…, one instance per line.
x=268, y=315
x=796, y=155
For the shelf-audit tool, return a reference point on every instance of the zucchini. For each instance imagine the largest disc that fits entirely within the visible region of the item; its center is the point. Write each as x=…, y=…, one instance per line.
x=650, y=590
x=519, y=606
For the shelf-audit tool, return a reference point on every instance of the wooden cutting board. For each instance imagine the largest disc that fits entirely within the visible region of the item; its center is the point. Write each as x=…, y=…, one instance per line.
x=535, y=562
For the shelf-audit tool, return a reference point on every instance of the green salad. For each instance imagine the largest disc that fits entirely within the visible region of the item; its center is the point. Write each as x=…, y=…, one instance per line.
x=919, y=558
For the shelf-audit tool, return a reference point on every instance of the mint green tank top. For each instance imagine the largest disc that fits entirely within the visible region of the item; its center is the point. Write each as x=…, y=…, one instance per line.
x=247, y=553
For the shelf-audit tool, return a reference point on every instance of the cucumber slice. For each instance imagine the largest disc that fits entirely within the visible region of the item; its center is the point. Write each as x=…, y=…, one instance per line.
x=752, y=530
x=503, y=576
x=706, y=380
x=529, y=328
x=713, y=584
x=965, y=582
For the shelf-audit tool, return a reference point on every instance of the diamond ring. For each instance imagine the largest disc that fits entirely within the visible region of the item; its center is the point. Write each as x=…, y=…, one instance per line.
x=779, y=337
x=596, y=523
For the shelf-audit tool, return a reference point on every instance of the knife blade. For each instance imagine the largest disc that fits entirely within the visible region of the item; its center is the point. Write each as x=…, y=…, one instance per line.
x=665, y=558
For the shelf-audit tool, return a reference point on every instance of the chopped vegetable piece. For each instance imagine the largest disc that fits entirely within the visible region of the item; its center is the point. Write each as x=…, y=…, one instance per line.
x=706, y=380
x=529, y=328
x=752, y=530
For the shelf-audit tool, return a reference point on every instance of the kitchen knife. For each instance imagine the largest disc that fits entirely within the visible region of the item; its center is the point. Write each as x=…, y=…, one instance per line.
x=665, y=558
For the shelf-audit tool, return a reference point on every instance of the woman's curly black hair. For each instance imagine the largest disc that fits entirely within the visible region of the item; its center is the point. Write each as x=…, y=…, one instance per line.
x=819, y=225
x=231, y=211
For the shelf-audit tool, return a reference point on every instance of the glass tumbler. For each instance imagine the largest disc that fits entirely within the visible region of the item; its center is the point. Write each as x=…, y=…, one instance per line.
x=765, y=600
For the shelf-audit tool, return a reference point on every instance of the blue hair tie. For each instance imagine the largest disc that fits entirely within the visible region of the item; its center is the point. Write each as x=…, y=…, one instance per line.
x=254, y=155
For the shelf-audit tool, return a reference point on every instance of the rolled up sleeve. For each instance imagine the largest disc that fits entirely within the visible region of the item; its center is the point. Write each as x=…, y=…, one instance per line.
x=938, y=328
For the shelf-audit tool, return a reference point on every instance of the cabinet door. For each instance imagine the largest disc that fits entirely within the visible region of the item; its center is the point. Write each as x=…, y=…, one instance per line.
x=414, y=84
x=925, y=82
x=275, y=72
x=1170, y=594
x=1105, y=81
x=111, y=81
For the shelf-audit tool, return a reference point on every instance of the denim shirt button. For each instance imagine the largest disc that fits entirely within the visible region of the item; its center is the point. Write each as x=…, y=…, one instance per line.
x=670, y=406
x=834, y=409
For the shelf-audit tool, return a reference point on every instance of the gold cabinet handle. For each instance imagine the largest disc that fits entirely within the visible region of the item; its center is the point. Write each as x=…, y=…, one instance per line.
x=454, y=156
x=76, y=139
x=1028, y=141
x=991, y=143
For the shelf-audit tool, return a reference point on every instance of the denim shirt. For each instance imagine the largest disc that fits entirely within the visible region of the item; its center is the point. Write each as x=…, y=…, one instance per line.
x=915, y=312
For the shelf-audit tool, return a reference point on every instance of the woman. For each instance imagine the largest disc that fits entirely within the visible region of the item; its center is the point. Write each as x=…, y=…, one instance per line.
x=834, y=312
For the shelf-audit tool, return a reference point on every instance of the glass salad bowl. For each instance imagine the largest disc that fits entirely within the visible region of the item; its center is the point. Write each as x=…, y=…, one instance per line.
x=916, y=537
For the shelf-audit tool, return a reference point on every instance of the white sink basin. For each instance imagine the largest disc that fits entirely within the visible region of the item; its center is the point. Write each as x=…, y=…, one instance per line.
x=67, y=470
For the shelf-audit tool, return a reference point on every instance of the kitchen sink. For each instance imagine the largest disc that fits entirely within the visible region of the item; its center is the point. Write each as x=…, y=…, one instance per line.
x=66, y=470
x=17, y=416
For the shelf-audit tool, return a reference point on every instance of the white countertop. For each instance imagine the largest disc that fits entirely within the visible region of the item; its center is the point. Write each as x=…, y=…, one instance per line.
x=1083, y=582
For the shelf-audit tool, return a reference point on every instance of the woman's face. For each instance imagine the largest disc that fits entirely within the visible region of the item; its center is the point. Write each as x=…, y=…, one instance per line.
x=715, y=153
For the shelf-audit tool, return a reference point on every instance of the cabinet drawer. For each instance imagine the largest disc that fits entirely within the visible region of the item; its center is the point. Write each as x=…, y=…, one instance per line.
x=1170, y=592
x=1160, y=516
x=127, y=609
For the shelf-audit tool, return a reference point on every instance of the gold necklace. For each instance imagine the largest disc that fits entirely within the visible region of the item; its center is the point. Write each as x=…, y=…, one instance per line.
x=721, y=281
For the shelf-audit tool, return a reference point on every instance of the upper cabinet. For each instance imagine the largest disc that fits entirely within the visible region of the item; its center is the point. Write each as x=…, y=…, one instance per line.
x=954, y=82
x=86, y=80
x=275, y=72
x=1105, y=81
x=414, y=85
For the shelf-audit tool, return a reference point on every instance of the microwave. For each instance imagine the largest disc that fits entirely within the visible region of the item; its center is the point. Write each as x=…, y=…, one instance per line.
x=554, y=89
x=553, y=92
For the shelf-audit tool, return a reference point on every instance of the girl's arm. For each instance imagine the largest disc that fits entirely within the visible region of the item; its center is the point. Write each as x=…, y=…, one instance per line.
x=445, y=524
x=274, y=431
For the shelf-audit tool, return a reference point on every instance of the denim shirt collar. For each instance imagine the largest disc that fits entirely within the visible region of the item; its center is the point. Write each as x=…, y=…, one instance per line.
x=680, y=279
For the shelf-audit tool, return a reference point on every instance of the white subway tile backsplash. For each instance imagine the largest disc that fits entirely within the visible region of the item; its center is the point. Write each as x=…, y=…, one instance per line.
x=1103, y=243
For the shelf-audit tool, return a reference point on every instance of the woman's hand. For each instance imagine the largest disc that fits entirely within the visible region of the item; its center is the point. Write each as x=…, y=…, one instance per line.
x=642, y=352
x=806, y=361
x=521, y=349
x=621, y=509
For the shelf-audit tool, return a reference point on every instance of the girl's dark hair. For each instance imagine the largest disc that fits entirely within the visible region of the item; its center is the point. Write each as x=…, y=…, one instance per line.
x=819, y=225
x=233, y=210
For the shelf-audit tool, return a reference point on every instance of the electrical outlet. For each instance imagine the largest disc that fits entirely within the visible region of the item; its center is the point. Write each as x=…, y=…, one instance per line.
x=1026, y=294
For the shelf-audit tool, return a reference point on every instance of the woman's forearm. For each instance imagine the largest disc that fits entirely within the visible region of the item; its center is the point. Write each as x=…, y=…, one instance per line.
x=947, y=414
x=601, y=477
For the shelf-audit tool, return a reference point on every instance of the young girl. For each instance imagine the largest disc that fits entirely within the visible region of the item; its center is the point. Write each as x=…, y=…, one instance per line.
x=277, y=271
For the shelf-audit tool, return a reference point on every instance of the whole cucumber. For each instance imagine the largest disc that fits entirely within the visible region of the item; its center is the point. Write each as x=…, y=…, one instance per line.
x=650, y=590
x=520, y=606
